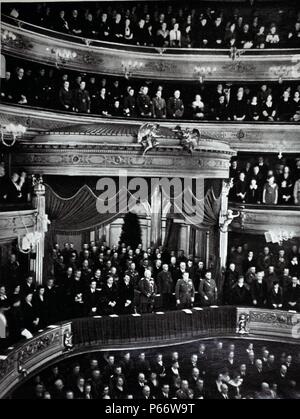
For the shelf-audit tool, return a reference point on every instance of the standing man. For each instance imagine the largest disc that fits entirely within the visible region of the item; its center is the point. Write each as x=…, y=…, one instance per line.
x=148, y=290
x=165, y=286
x=208, y=290
x=185, y=292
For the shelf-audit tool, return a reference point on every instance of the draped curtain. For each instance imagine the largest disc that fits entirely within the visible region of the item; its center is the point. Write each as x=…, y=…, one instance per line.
x=79, y=212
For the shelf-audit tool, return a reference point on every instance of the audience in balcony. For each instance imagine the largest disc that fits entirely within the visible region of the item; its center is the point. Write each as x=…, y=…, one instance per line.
x=78, y=93
x=186, y=27
x=103, y=281
x=214, y=371
x=263, y=280
x=14, y=189
x=257, y=183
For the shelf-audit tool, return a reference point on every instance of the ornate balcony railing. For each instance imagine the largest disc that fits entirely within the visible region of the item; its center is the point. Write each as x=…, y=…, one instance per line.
x=255, y=137
x=18, y=223
x=86, y=55
x=60, y=341
x=21, y=360
x=259, y=219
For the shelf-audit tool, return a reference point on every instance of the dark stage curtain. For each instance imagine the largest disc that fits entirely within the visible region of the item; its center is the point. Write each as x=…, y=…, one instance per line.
x=79, y=212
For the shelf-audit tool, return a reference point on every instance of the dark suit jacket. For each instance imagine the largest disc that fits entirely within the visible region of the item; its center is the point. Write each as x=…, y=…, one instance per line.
x=164, y=283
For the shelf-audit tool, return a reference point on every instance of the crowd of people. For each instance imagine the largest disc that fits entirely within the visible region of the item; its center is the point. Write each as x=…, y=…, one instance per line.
x=263, y=279
x=216, y=370
x=169, y=26
x=74, y=92
x=15, y=189
x=257, y=182
x=100, y=280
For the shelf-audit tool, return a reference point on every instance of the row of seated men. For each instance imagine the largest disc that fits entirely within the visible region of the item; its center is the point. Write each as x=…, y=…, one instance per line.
x=106, y=281
x=257, y=182
x=187, y=27
x=79, y=93
x=216, y=372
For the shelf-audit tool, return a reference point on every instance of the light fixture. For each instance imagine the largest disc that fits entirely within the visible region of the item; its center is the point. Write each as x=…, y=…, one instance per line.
x=203, y=71
x=279, y=236
x=7, y=36
x=235, y=53
x=12, y=130
x=62, y=55
x=129, y=66
x=28, y=242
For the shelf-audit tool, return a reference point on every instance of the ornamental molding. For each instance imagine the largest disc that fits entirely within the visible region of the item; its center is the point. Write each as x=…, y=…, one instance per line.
x=16, y=223
x=258, y=220
x=246, y=137
x=155, y=64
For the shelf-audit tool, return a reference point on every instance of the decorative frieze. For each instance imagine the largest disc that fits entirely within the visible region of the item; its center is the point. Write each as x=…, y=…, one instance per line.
x=155, y=64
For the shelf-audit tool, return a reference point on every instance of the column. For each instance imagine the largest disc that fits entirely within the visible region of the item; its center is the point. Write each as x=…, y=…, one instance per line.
x=223, y=225
x=207, y=244
x=41, y=228
x=156, y=209
x=184, y=238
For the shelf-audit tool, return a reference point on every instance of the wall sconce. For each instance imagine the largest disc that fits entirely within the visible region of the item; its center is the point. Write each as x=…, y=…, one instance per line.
x=62, y=55
x=8, y=36
x=129, y=66
x=12, y=130
x=279, y=236
x=201, y=72
x=235, y=53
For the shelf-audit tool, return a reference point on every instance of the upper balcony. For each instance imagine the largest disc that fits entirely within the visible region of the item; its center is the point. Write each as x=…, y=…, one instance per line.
x=241, y=137
x=24, y=40
x=15, y=223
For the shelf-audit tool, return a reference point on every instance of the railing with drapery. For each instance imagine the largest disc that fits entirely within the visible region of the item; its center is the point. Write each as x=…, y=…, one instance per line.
x=159, y=328
x=140, y=331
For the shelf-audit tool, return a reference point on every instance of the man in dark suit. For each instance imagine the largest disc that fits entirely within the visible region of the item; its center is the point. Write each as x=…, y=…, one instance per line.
x=126, y=296
x=185, y=292
x=92, y=299
x=223, y=394
x=109, y=297
x=165, y=286
x=175, y=106
x=165, y=392
x=146, y=393
x=240, y=294
x=292, y=295
x=208, y=290
x=148, y=290
x=28, y=286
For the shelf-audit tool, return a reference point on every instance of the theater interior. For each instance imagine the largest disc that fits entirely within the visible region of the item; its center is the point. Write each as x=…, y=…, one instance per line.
x=149, y=200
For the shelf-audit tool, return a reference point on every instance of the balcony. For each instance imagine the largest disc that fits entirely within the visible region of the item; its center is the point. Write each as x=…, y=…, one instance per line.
x=258, y=219
x=16, y=223
x=85, y=55
x=258, y=137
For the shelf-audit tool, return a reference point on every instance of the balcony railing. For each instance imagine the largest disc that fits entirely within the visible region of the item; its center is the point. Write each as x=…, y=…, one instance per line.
x=22, y=361
x=43, y=45
x=259, y=219
x=256, y=137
